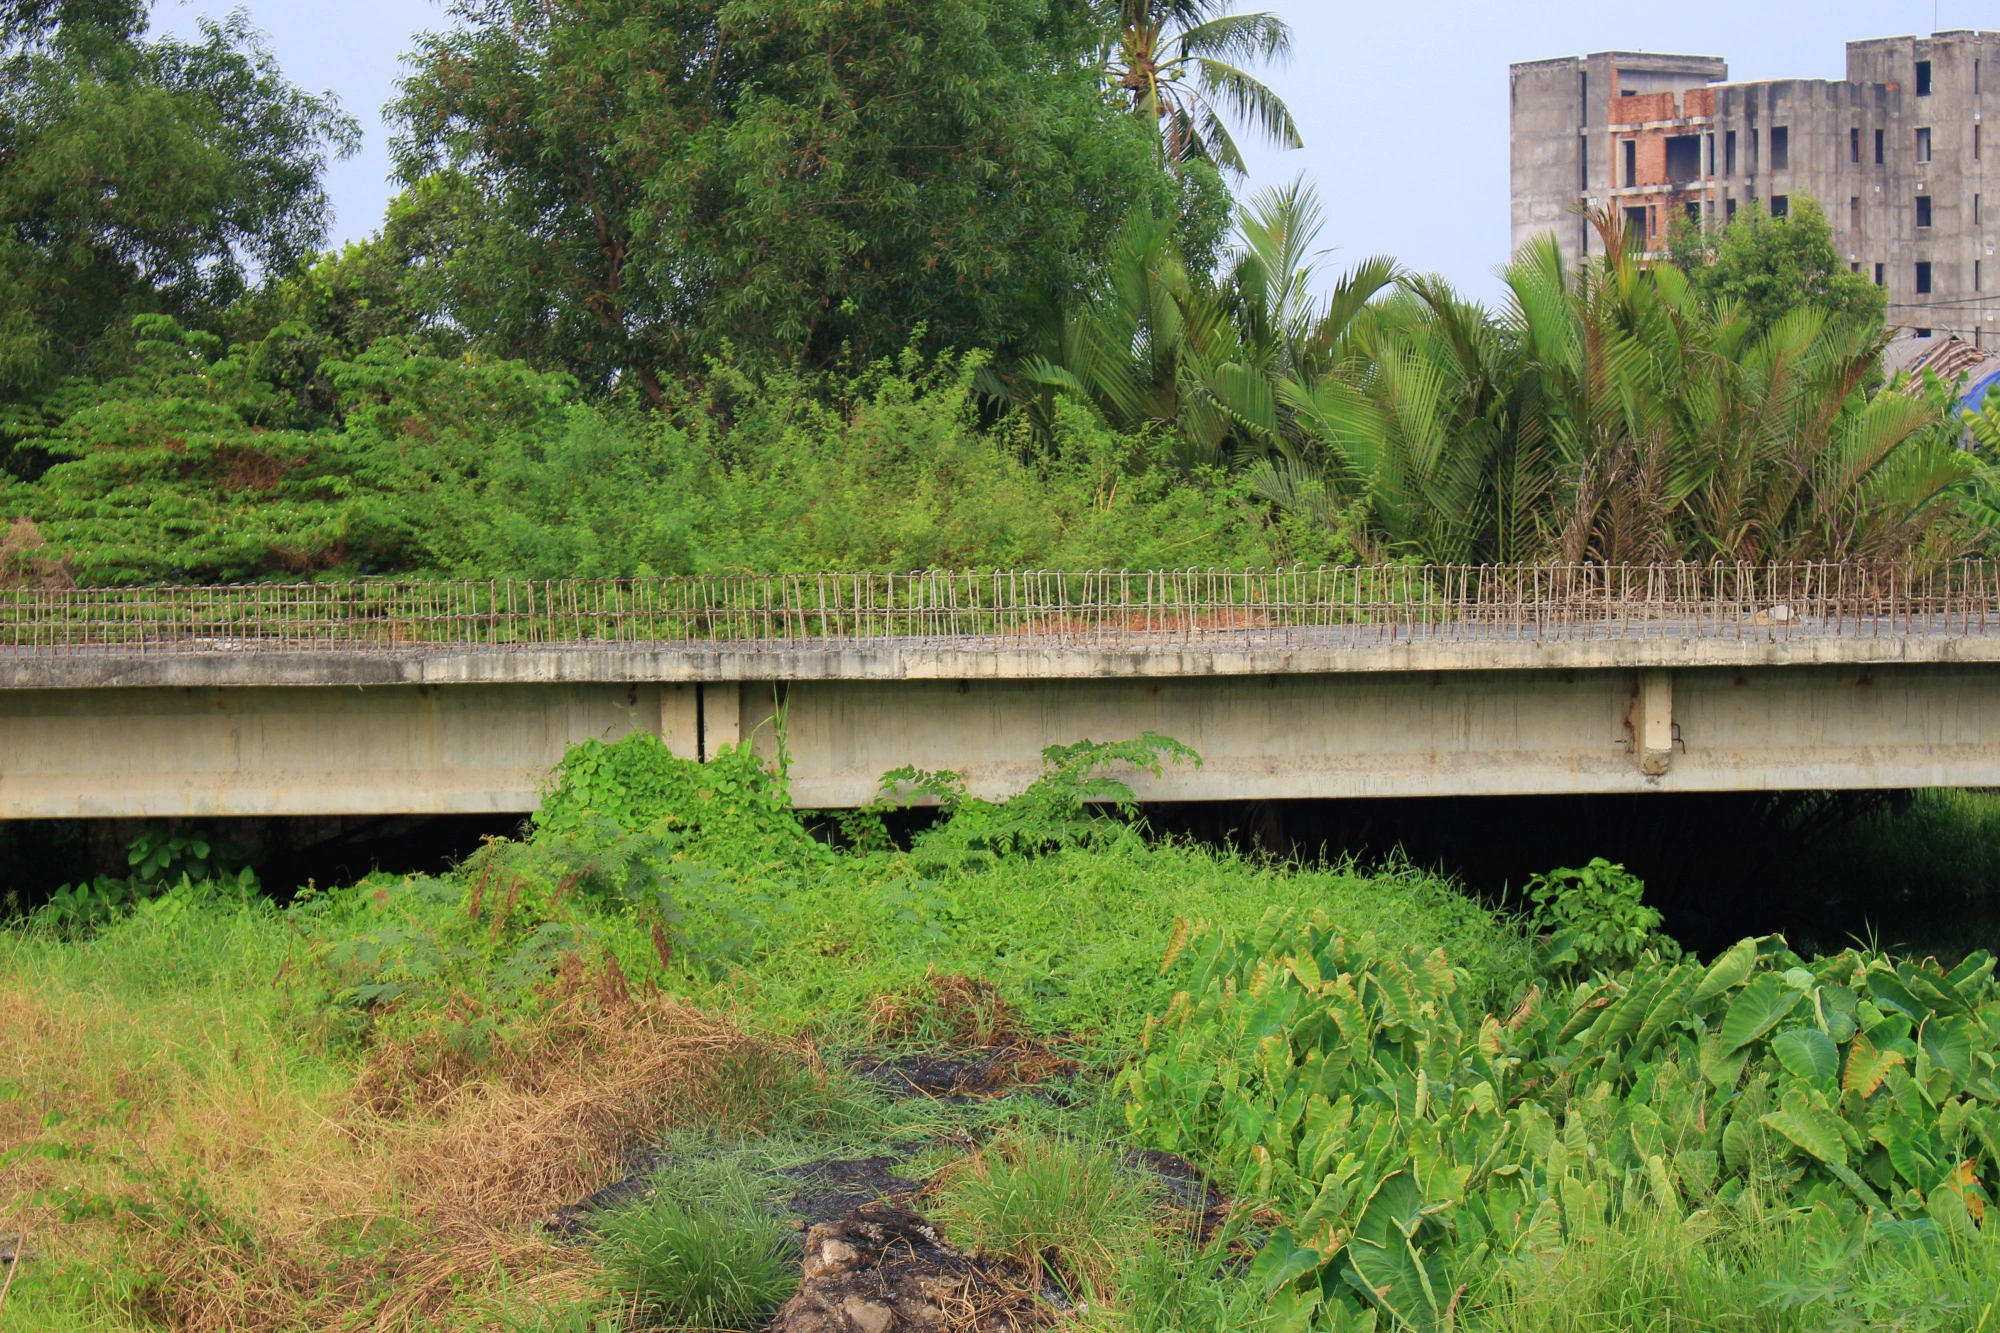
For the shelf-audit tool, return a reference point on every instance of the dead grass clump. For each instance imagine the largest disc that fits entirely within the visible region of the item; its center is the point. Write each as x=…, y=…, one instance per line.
x=543, y=1123
x=948, y=1007
x=255, y=1206
x=25, y=562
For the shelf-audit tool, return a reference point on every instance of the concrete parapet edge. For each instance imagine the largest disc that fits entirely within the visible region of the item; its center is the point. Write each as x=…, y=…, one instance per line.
x=899, y=661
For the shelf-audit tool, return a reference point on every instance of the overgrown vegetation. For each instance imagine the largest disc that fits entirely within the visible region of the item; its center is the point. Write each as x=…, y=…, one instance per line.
x=1421, y=1113
x=682, y=287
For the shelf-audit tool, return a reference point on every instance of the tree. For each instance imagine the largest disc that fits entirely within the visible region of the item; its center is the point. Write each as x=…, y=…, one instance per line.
x=1181, y=63
x=143, y=176
x=1611, y=414
x=1774, y=266
x=1154, y=345
x=656, y=180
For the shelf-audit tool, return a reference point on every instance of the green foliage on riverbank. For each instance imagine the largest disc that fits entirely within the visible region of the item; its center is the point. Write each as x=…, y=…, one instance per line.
x=1446, y=1122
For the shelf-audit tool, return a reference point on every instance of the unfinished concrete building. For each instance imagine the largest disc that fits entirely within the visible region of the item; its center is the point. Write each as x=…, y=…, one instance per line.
x=1895, y=155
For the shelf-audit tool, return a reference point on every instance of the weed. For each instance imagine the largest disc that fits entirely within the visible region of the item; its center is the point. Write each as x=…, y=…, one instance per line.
x=1068, y=1206
x=703, y=1252
x=1595, y=919
x=953, y=1009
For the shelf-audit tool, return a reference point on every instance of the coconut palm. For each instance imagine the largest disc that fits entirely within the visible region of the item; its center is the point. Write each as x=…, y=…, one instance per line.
x=1181, y=61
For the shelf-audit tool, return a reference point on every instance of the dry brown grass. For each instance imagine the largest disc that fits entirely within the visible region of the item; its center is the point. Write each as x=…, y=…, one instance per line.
x=262, y=1202
x=947, y=1007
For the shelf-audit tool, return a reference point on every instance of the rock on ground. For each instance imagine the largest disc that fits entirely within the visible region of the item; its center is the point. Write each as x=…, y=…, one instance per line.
x=886, y=1270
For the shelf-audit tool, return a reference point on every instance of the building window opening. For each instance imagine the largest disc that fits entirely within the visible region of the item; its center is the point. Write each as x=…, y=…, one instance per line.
x=1878, y=147
x=1753, y=153
x=1854, y=145
x=1711, y=155
x=1923, y=210
x=1729, y=210
x=1781, y=205
x=1781, y=148
x=1684, y=158
x=1923, y=145
x=1923, y=333
x=1635, y=228
x=1978, y=276
x=1854, y=213
x=1854, y=267
x=1729, y=153
x=1924, y=279
x=1694, y=213
x=1583, y=164
x=1923, y=78
x=1631, y=163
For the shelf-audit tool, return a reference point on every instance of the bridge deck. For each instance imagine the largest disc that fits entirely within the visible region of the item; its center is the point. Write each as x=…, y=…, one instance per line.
x=392, y=698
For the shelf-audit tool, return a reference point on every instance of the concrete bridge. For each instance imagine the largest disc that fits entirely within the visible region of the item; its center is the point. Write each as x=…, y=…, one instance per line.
x=454, y=698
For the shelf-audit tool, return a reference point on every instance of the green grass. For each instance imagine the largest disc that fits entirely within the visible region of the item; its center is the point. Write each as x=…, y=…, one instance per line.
x=1072, y=1207
x=1924, y=879
x=215, y=1043
x=1073, y=940
x=704, y=1252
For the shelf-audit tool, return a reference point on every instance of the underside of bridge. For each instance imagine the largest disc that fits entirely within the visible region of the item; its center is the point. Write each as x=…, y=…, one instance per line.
x=245, y=745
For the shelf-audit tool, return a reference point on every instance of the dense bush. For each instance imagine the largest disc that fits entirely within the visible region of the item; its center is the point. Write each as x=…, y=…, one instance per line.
x=193, y=468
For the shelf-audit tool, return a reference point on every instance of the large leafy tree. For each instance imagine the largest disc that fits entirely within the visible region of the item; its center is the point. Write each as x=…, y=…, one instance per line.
x=653, y=180
x=1181, y=62
x=1771, y=266
x=142, y=175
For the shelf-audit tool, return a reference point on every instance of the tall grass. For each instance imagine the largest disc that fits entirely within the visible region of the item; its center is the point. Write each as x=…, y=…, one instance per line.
x=1754, y=1270
x=703, y=1252
x=1070, y=1208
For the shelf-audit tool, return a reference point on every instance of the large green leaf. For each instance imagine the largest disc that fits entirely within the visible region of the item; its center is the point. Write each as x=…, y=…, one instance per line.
x=1808, y=1053
x=1730, y=970
x=1948, y=1042
x=1867, y=1066
x=1813, y=1128
x=1384, y=1261
x=1757, y=1009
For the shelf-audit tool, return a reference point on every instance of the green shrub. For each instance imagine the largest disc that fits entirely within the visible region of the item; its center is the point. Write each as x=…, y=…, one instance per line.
x=729, y=811
x=1043, y=1201
x=701, y=1253
x=1595, y=919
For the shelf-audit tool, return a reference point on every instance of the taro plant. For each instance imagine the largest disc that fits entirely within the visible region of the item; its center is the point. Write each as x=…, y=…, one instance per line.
x=1409, y=1141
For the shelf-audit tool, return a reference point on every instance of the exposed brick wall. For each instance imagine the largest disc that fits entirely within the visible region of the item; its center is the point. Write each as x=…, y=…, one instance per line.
x=1644, y=107
x=1698, y=102
x=1652, y=158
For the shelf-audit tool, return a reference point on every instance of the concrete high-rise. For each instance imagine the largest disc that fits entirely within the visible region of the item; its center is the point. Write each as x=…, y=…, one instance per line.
x=1895, y=153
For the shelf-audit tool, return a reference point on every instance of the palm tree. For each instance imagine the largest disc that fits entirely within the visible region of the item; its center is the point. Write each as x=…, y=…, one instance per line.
x=1153, y=347
x=1181, y=61
x=1608, y=415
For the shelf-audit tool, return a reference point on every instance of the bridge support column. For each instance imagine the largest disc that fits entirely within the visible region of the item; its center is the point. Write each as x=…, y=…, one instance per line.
x=1653, y=722
x=680, y=719
x=721, y=716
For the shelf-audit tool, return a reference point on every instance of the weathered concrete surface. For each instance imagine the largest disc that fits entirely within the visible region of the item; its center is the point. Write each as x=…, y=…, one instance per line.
x=1928, y=717
x=1439, y=734
x=890, y=660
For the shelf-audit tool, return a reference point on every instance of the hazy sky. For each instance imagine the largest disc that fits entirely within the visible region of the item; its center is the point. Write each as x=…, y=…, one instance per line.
x=1403, y=103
